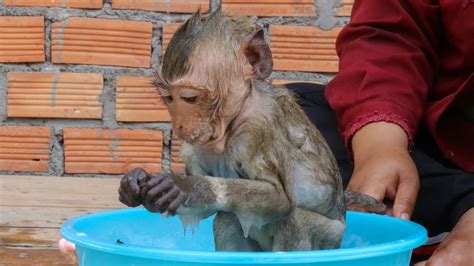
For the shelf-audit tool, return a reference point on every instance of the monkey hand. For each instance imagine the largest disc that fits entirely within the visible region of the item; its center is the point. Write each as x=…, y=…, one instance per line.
x=131, y=186
x=162, y=194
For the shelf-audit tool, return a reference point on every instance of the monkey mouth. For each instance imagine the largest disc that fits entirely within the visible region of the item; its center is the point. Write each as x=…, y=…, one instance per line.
x=208, y=137
x=198, y=136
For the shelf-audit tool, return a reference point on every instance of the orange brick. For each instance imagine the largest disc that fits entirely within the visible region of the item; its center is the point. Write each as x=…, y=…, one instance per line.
x=168, y=31
x=24, y=148
x=94, y=150
x=177, y=163
x=269, y=7
x=21, y=39
x=304, y=48
x=286, y=81
x=54, y=95
x=102, y=42
x=91, y=4
x=139, y=101
x=170, y=6
x=345, y=9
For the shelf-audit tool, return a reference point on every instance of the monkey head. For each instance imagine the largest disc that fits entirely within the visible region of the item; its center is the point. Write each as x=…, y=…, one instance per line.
x=206, y=75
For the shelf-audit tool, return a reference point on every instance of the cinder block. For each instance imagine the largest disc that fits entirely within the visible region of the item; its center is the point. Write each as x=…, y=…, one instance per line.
x=88, y=4
x=173, y=6
x=304, y=48
x=102, y=42
x=177, y=163
x=94, y=150
x=21, y=39
x=24, y=148
x=139, y=101
x=267, y=8
x=168, y=31
x=345, y=9
x=54, y=95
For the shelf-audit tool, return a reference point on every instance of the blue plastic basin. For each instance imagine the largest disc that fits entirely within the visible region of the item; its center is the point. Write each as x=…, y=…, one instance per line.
x=137, y=237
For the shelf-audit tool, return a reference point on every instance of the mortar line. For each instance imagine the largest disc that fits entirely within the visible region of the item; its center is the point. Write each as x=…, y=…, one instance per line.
x=60, y=40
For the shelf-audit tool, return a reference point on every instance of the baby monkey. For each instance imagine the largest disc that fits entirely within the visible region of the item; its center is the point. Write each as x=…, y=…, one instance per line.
x=252, y=156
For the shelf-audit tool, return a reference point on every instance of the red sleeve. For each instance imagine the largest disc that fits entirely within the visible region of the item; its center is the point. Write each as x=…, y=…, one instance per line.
x=387, y=64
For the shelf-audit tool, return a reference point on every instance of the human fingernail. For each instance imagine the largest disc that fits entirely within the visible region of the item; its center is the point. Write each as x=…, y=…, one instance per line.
x=405, y=216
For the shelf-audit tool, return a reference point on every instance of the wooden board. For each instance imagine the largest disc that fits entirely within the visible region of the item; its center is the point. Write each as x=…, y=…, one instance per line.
x=33, y=208
x=14, y=256
x=67, y=192
x=39, y=216
x=29, y=237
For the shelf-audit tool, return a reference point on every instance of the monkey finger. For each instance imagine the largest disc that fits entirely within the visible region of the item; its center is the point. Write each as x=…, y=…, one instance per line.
x=128, y=196
x=174, y=205
x=134, y=177
x=151, y=207
x=129, y=201
x=144, y=191
x=155, y=179
x=127, y=186
x=159, y=208
x=124, y=197
x=141, y=175
x=133, y=184
x=168, y=196
x=161, y=188
x=152, y=203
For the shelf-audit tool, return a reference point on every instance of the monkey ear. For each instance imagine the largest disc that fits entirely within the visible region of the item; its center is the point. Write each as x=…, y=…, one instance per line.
x=258, y=54
x=193, y=21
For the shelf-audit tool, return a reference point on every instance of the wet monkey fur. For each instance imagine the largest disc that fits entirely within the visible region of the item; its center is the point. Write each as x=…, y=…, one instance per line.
x=253, y=157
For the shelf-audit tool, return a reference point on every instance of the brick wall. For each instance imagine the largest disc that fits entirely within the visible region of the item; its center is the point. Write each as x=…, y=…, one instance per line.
x=75, y=97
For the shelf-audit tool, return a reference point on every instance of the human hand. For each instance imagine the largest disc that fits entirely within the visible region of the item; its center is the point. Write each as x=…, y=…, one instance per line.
x=457, y=248
x=130, y=187
x=384, y=168
x=162, y=194
x=68, y=250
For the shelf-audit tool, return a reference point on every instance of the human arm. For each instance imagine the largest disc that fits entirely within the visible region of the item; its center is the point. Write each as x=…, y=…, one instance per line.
x=388, y=61
x=383, y=167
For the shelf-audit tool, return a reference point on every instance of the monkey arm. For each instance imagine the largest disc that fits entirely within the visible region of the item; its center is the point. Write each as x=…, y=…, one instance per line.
x=261, y=200
x=197, y=197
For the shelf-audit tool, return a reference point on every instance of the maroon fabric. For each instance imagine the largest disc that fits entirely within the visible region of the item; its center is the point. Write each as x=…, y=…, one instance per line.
x=407, y=62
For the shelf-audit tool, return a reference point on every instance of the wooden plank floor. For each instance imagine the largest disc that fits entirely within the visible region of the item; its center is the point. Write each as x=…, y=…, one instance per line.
x=32, y=209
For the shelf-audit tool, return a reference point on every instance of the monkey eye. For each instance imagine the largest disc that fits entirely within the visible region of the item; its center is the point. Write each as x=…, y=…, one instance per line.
x=192, y=99
x=168, y=99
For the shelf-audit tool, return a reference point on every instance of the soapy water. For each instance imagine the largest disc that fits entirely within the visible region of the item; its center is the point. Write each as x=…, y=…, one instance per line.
x=173, y=239
x=353, y=241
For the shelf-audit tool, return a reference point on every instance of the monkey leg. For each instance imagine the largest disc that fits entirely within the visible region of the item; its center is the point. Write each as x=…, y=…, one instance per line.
x=307, y=230
x=229, y=236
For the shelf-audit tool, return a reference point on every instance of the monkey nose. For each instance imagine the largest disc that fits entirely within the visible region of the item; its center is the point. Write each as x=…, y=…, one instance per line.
x=181, y=130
